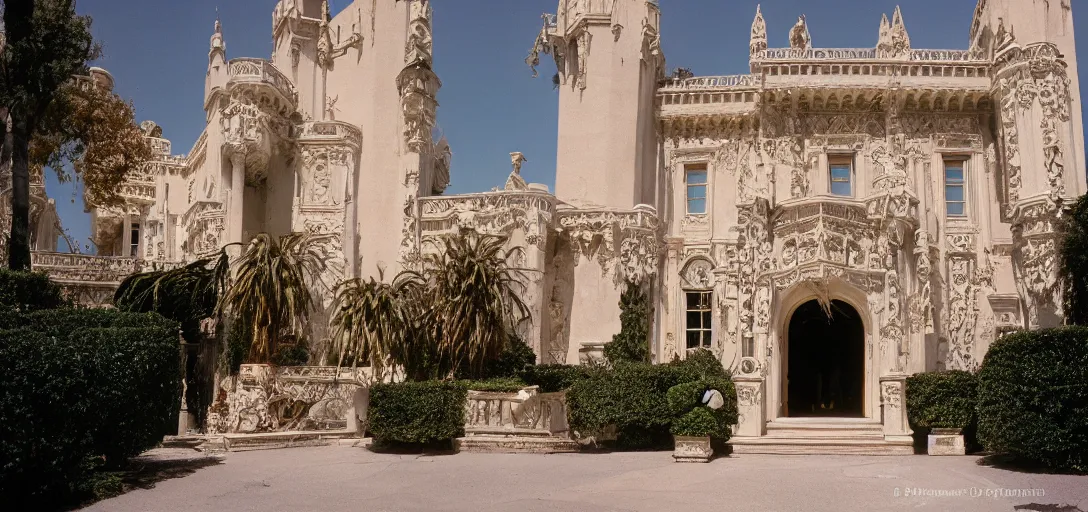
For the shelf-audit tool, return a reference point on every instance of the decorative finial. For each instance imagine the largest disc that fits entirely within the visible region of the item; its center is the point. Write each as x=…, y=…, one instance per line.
x=218, y=25
x=325, y=15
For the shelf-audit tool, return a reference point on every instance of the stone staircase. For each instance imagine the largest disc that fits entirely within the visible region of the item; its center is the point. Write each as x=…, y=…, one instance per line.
x=822, y=436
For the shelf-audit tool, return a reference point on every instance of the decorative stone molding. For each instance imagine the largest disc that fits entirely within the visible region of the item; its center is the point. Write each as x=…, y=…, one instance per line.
x=625, y=242
x=1035, y=260
x=263, y=398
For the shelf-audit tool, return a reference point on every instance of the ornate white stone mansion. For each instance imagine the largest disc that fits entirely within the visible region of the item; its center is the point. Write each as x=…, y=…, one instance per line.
x=913, y=192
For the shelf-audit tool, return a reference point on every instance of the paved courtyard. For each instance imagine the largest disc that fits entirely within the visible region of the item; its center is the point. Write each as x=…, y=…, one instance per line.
x=354, y=479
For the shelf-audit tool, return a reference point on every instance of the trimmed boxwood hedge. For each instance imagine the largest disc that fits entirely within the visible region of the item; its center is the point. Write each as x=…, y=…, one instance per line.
x=691, y=416
x=556, y=377
x=78, y=384
x=23, y=292
x=417, y=412
x=634, y=398
x=1033, y=397
x=946, y=399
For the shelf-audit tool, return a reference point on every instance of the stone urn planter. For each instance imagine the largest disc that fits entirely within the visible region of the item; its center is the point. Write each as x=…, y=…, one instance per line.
x=692, y=449
x=946, y=441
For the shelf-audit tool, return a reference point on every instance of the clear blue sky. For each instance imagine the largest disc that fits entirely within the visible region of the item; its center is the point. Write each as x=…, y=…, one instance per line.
x=490, y=106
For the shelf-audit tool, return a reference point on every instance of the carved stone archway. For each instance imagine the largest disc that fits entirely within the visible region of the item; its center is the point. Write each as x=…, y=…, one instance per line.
x=786, y=304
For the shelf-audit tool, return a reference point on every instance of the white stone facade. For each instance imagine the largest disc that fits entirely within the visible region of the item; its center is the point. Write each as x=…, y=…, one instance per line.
x=920, y=187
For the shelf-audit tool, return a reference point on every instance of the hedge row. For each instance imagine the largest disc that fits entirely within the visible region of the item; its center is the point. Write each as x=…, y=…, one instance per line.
x=633, y=398
x=1033, y=397
x=76, y=385
x=417, y=412
x=23, y=292
x=1029, y=399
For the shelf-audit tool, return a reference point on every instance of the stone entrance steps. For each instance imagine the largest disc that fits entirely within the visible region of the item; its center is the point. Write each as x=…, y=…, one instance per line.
x=822, y=436
x=520, y=441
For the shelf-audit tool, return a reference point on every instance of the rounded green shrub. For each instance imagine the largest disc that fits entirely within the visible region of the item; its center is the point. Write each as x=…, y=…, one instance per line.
x=685, y=397
x=634, y=398
x=78, y=384
x=698, y=422
x=23, y=292
x=1033, y=397
x=946, y=399
x=417, y=412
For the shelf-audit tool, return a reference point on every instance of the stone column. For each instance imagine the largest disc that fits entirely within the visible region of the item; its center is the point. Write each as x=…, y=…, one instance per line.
x=235, y=212
x=752, y=414
x=894, y=409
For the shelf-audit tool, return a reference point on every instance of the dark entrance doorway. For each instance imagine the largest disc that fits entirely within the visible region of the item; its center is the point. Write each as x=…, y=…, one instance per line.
x=825, y=361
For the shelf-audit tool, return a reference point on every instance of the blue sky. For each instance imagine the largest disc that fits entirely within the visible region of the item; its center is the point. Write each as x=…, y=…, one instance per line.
x=490, y=104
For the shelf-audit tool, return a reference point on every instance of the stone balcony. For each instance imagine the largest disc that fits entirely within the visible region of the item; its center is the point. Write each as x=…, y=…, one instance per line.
x=251, y=71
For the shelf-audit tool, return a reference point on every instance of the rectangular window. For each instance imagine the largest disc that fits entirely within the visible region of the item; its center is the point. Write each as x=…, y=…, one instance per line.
x=695, y=178
x=698, y=327
x=841, y=170
x=135, y=241
x=955, y=192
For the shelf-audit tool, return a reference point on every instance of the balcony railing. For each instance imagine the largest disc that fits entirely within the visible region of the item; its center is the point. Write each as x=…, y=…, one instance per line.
x=260, y=70
x=862, y=54
x=711, y=82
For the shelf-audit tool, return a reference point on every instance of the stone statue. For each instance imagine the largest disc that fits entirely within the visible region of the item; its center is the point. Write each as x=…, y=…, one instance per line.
x=515, y=181
x=800, y=39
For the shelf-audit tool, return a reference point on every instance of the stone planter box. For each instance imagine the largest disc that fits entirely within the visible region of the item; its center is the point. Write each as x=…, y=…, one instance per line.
x=527, y=421
x=946, y=441
x=692, y=449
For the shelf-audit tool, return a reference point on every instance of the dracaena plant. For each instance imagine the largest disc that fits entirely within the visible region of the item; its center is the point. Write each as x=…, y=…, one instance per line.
x=270, y=289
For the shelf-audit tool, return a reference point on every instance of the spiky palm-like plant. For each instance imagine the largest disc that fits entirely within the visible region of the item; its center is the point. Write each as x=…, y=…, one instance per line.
x=477, y=302
x=270, y=292
x=371, y=319
x=186, y=294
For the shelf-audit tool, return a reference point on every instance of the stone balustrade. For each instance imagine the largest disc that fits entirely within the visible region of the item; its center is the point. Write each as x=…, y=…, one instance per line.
x=328, y=131
x=526, y=412
x=250, y=70
x=864, y=54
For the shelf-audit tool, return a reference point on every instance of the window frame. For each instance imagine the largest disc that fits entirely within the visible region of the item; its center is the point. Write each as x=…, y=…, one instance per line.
x=134, y=231
x=836, y=159
x=688, y=186
x=964, y=164
x=706, y=314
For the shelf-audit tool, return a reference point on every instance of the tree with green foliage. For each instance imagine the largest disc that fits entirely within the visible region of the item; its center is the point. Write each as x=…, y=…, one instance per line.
x=632, y=344
x=1074, y=262
x=49, y=118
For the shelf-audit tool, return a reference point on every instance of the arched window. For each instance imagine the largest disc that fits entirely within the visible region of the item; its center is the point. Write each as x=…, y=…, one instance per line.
x=698, y=284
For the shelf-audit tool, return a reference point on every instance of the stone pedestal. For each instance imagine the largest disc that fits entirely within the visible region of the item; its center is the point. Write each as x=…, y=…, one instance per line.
x=893, y=408
x=752, y=415
x=692, y=449
x=946, y=441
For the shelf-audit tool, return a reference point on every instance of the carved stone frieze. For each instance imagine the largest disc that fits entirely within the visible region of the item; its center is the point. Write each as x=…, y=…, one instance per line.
x=599, y=234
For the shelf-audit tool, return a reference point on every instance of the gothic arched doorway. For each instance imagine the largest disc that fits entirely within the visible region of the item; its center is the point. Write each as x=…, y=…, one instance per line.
x=825, y=368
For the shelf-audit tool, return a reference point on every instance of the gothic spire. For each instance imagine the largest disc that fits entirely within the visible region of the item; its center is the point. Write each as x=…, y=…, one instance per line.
x=218, y=45
x=899, y=30
x=758, y=42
